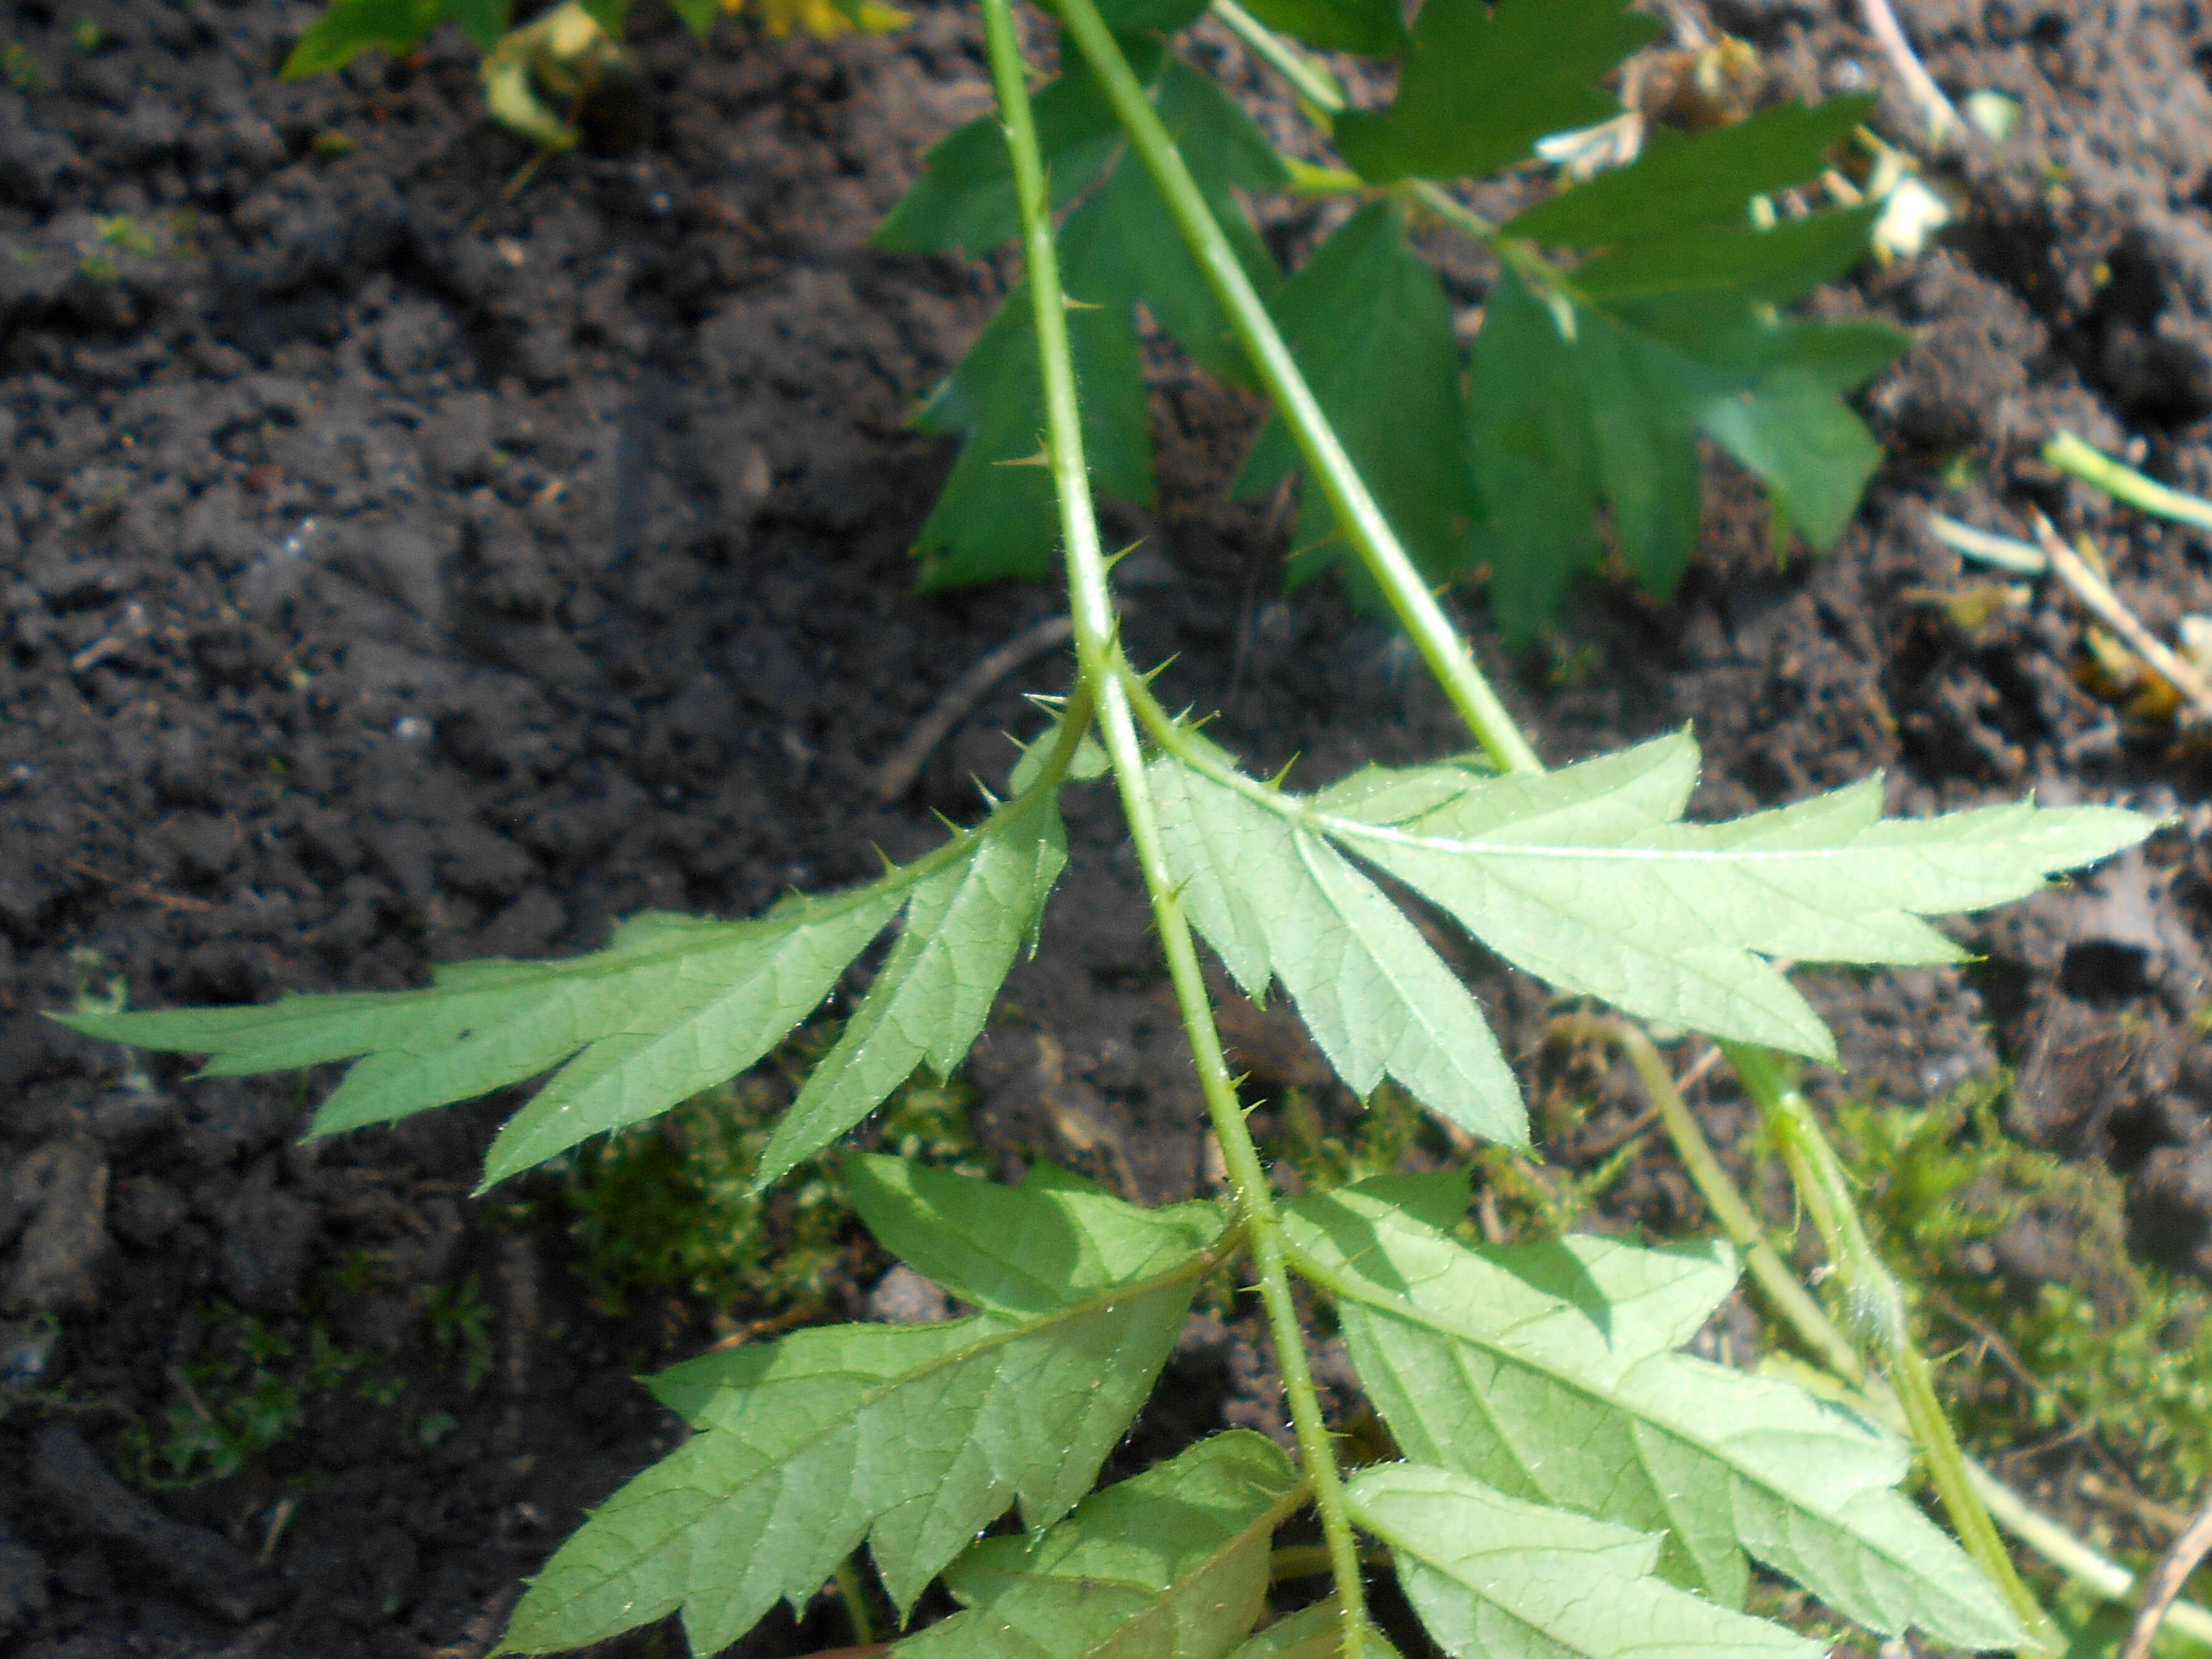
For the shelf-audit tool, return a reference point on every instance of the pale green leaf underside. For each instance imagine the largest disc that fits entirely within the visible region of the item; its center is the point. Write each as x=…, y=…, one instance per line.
x=913, y=1437
x=1314, y=1632
x=1586, y=877
x=1006, y=1250
x=1547, y=1371
x=1492, y=1577
x=1170, y=1565
x=673, y=1007
x=964, y=927
x=1279, y=902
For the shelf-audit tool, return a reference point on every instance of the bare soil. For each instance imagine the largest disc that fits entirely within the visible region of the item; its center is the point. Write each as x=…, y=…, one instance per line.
x=396, y=570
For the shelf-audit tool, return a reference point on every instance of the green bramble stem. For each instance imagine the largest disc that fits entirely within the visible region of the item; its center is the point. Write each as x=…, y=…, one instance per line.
x=1878, y=1307
x=1098, y=654
x=1813, y=1166
x=1359, y=519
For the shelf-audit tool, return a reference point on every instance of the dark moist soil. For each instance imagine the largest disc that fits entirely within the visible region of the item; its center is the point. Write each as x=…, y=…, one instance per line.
x=397, y=570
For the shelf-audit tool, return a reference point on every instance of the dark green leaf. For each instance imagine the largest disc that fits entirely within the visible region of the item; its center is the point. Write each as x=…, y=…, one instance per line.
x=1371, y=328
x=996, y=515
x=914, y=1438
x=1170, y=1565
x=349, y=27
x=1132, y=19
x=610, y=15
x=1374, y=28
x=1548, y=1371
x=1535, y=459
x=1680, y=182
x=484, y=21
x=964, y=199
x=1575, y=403
x=1482, y=84
x=1227, y=153
x=698, y=15
x=1743, y=268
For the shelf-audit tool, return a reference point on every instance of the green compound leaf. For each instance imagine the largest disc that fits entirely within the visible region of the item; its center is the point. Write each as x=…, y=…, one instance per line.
x=1277, y=902
x=963, y=927
x=964, y=202
x=1374, y=28
x=1482, y=82
x=1494, y=1577
x=349, y=27
x=996, y=515
x=1681, y=182
x=1171, y=1565
x=1604, y=399
x=1371, y=328
x=1586, y=877
x=913, y=1437
x=1135, y=19
x=673, y=1007
x=484, y=21
x=1548, y=1371
x=698, y=15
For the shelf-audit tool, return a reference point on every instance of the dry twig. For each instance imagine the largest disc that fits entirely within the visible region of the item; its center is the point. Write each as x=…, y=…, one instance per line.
x=1919, y=85
x=2099, y=599
x=896, y=776
x=2164, y=1585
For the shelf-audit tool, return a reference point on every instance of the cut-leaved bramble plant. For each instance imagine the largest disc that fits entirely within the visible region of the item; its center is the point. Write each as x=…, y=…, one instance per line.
x=1559, y=1477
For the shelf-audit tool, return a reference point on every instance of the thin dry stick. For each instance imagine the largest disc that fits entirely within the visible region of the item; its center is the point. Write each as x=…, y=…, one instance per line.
x=2097, y=597
x=896, y=776
x=1881, y=22
x=2180, y=1561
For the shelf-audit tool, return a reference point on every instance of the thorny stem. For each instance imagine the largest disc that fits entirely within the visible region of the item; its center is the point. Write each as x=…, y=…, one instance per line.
x=1358, y=517
x=1815, y=1171
x=1878, y=1306
x=1099, y=654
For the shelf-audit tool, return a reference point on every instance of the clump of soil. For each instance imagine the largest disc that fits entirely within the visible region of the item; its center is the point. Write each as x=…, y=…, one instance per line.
x=396, y=570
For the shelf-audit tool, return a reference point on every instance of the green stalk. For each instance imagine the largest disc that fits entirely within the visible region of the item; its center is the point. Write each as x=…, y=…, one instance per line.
x=855, y=1599
x=1098, y=652
x=2070, y=454
x=1309, y=79
x=1878, y=1306
x=1358, y=516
